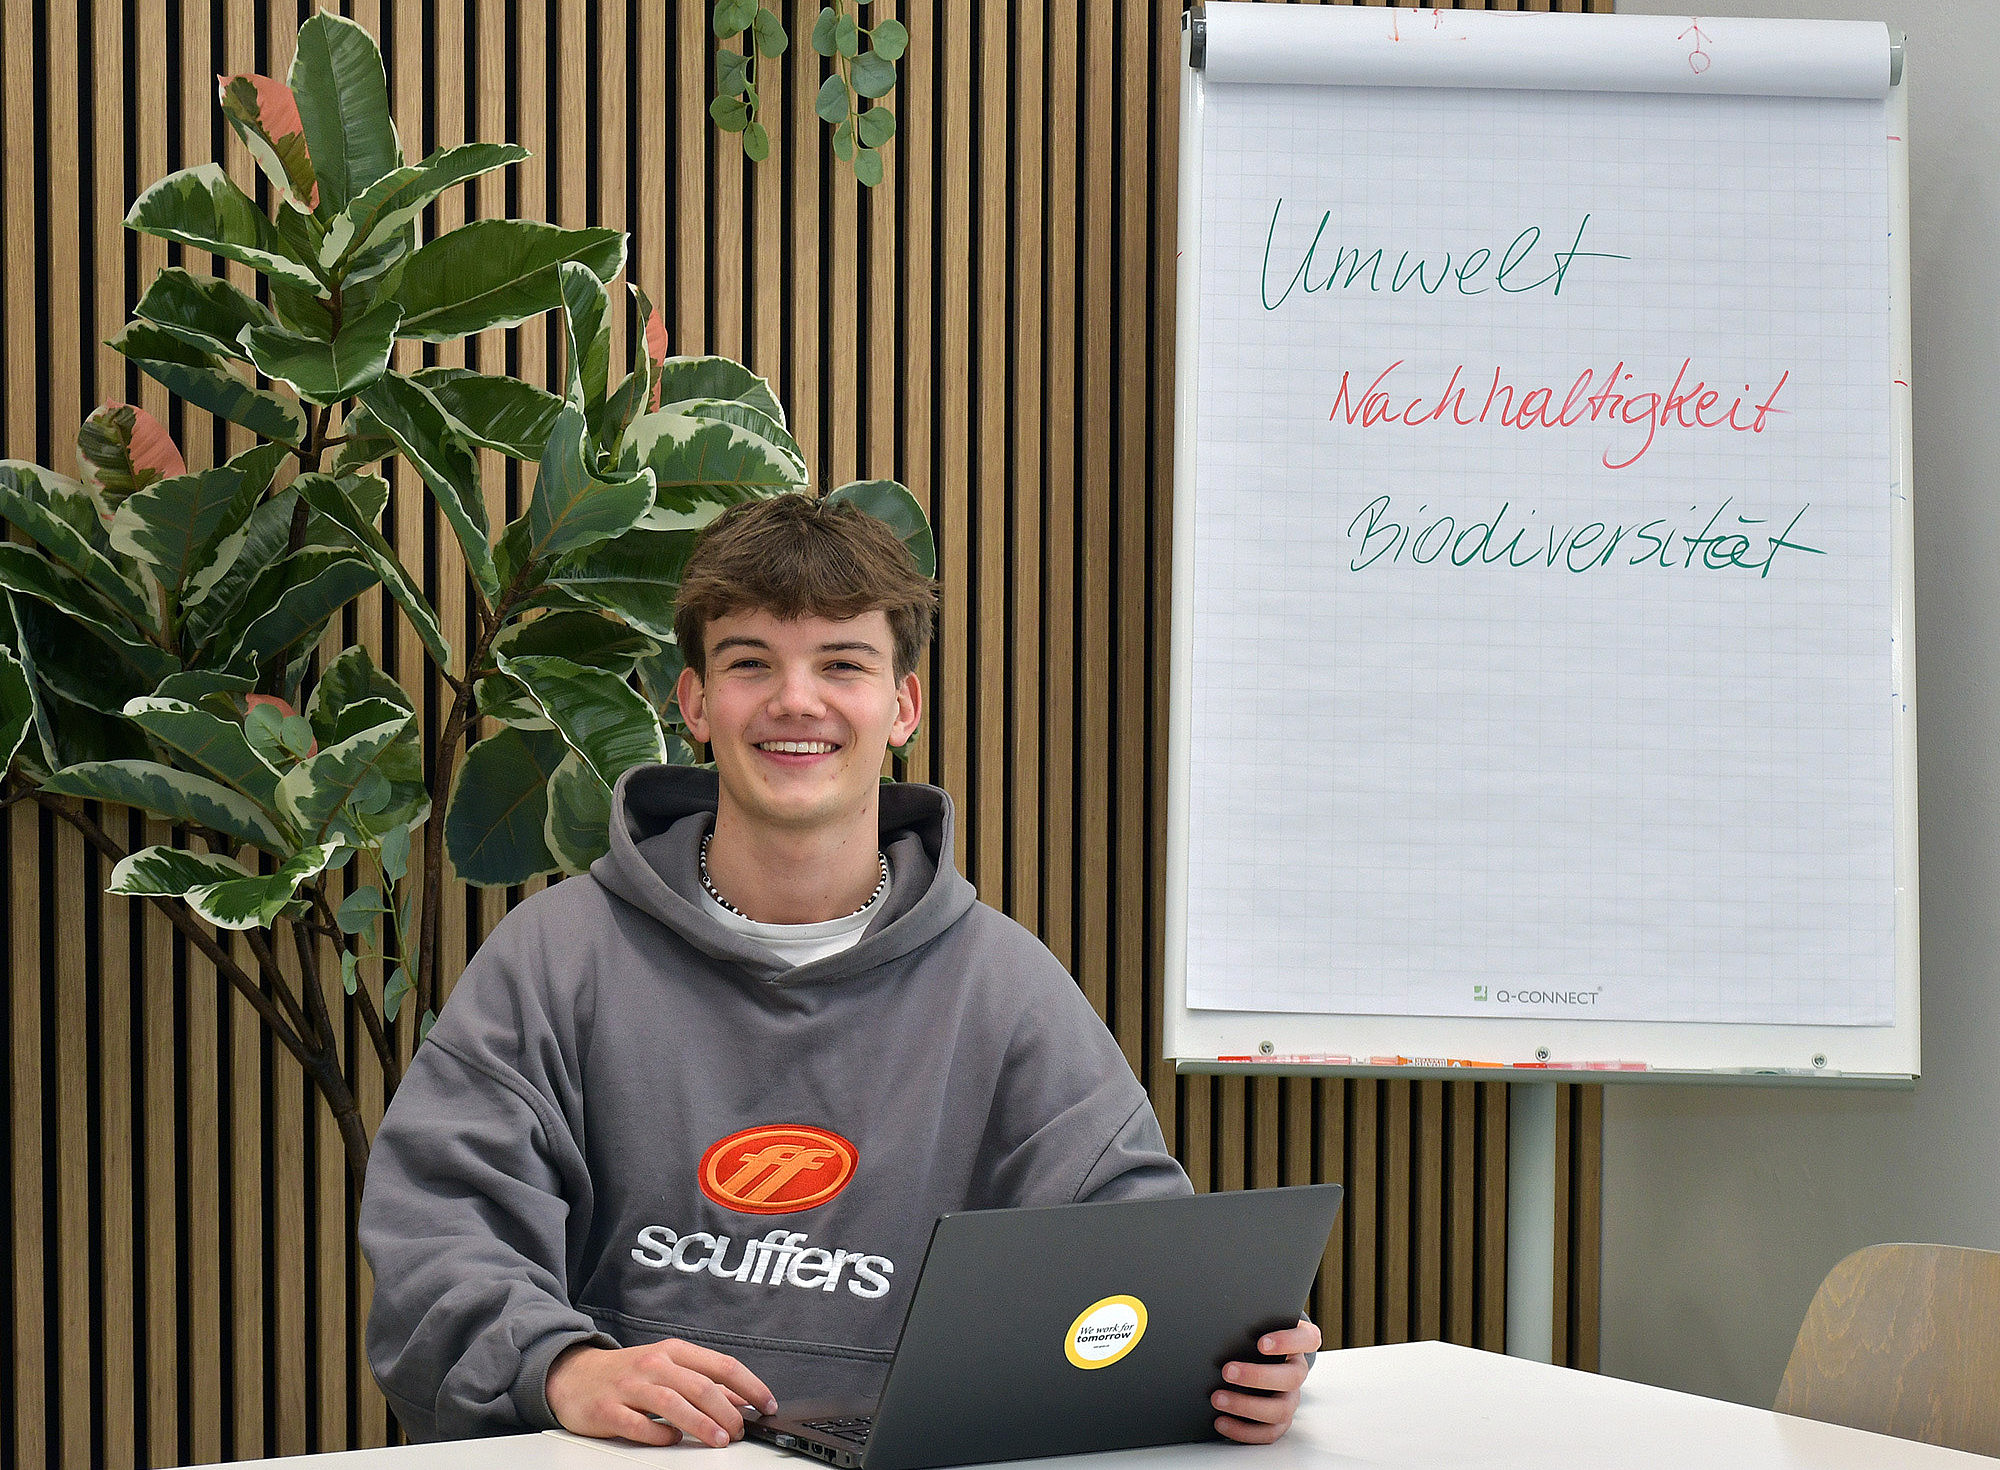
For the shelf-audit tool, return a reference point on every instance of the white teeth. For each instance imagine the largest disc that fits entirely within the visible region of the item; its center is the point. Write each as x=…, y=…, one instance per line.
x=798, y=747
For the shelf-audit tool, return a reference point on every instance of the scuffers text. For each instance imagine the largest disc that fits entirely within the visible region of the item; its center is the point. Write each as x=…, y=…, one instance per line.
x=781, y=1258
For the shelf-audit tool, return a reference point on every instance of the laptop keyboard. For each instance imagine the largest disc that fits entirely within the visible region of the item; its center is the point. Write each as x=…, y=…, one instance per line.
x=854, y=1431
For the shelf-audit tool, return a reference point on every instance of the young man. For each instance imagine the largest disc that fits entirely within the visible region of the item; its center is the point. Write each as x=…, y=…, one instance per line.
x=678, y=1139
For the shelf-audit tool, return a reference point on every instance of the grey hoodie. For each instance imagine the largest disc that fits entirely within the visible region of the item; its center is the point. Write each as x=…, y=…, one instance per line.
x=630, y=1123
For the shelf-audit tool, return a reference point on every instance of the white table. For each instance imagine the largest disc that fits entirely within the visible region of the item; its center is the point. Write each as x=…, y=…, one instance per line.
x=1427, y=1405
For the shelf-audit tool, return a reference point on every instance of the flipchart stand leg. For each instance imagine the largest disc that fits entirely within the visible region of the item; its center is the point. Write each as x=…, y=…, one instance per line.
x=1531, y=1220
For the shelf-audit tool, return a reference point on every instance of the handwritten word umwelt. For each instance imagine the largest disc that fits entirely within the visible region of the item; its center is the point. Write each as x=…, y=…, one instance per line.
x=1518, y=406
x=1518, y=271
x=1385, y=535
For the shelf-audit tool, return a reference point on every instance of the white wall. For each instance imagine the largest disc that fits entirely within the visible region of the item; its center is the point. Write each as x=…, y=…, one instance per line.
x=1723, y=1207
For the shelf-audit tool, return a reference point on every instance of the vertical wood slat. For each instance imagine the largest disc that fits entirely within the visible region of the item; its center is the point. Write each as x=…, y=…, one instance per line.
x=987, y=473
x=993, y=325
x=951, y=487
x=914, y=247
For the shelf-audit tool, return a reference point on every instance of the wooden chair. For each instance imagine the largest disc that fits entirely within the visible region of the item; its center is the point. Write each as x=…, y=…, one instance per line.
x=1904, y=1340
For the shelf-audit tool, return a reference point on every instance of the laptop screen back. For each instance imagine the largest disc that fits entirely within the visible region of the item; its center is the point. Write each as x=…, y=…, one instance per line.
x=1091, y=1327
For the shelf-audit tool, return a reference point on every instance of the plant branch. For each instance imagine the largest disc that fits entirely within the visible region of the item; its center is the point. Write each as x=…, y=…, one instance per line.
x=327, y=1070
x=430, y=935
x=385, y=1053
x=183, y=918
x=309, y=981
x=464, y=711
x=274, y=977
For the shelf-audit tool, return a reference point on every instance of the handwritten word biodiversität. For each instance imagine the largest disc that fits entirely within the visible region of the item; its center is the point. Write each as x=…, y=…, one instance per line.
x=1357, y=266
x=1385, y=535
x=1521, y=407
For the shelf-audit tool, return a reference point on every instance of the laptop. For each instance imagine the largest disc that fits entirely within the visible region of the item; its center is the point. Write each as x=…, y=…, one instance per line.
x=1074, y=1328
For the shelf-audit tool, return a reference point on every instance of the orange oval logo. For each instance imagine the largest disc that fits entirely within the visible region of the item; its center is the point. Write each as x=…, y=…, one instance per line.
x=777, y=1169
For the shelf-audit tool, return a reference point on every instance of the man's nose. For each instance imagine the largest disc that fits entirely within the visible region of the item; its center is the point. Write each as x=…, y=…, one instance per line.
x=798, y=693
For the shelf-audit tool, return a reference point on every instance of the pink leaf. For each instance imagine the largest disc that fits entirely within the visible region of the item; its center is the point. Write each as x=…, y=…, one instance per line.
x=121, y=448
x=656, y=349
x=153, y=448
x=265, y=115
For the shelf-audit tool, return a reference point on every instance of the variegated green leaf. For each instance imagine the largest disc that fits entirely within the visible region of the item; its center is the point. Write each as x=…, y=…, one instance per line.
x=587, y=326
x=320, y=583
x=27, y=572
x=205, y=382
x=206, y=312
x=496, y=273
x=577, y=828
x=573, y=508
x=198, y=686
x=350, y=679
x=581, y=637
x=426, y=437
x=201, y=207
x=17, y=706
x=685, y=380
x=635, y=576
x=493, y=411
x=173, y=796
x=400, y=195
x=48, y=509
x=171, y=872
x=601, y=717
x=327, y=372
x=175, y=526
x=698, y=462
x=254, y=902
x=86, y=668
x=733, y=411
x=243, y=559
x=209, y=743
x=315, y=793
x=329, y=497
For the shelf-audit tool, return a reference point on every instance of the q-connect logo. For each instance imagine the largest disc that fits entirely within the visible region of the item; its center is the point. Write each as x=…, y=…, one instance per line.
x=777, y=1169
x=1509, y=997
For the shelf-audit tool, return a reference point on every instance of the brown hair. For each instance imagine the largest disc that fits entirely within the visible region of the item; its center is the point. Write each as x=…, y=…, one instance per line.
x=797, y=556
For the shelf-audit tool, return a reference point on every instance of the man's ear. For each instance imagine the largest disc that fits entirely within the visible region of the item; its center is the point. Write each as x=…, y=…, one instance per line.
x=692, y=698
x=909, y=709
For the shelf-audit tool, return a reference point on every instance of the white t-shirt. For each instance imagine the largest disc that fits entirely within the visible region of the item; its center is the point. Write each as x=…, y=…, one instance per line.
x=800, y=944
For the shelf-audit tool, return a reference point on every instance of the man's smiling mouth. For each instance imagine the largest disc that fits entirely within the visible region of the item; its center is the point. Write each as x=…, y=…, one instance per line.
x=798, y=747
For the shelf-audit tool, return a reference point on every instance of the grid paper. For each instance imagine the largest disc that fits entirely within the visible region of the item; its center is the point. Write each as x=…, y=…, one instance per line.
x=1625, y=789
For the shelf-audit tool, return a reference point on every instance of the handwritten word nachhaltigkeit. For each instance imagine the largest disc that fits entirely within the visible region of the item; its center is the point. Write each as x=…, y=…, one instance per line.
x=1384, y=535
x=1518, y=271
x=1522, y=407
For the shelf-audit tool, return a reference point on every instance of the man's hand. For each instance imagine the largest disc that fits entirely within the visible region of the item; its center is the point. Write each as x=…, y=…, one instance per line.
x=1259, y=1418
x=615, y=1393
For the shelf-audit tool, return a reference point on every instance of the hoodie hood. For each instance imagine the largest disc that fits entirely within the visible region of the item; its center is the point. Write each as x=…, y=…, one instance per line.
x=659, y=815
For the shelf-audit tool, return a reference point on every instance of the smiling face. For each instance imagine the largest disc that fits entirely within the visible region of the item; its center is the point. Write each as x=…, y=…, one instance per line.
x=798, y=714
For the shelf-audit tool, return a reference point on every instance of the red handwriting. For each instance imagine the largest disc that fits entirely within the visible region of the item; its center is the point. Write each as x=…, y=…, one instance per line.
x=1518, y=406
x=1698, y=59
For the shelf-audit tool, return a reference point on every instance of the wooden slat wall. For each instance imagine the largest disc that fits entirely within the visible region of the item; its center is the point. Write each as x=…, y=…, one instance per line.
x=993, y=325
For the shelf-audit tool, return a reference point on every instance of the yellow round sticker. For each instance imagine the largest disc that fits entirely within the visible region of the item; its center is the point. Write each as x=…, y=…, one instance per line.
x=1106, y=1331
